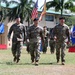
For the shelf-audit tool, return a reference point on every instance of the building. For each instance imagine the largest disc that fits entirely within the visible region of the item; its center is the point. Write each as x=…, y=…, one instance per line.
x=51, y=18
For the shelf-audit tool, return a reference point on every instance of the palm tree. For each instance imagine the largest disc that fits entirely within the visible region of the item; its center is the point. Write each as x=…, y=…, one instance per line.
x=60, y=5
x=70, y=20
x=23, y=10
x=1, y=10
x=4, y=10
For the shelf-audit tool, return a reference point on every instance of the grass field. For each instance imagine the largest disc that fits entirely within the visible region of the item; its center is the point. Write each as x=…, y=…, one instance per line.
x=47, y=64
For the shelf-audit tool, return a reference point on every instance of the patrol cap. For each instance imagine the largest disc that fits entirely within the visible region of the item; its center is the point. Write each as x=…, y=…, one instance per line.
x=61, y=18
x=35, y=19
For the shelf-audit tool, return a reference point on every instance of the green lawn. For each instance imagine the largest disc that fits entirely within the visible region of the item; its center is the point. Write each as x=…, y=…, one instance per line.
x=24, y=67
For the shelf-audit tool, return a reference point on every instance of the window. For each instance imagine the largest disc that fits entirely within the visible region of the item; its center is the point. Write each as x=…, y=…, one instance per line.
x=49, y=18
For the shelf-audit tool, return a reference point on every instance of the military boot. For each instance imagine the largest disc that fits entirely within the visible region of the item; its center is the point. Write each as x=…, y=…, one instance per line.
x=14, y=59
x=36, y=63
x=17, y=59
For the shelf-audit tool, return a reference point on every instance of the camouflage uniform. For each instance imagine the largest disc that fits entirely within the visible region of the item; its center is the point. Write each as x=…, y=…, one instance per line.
x=34, y=36
x=18, y=33
x=52, y=41
x=61, y=32
x=45, y=32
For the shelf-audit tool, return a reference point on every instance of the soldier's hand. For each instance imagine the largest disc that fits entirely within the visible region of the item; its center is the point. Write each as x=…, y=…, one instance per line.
x=68, y=42
x=55, y=37
x=18, y=39
x=24, y=42
x=8, y=39
x=27, y=40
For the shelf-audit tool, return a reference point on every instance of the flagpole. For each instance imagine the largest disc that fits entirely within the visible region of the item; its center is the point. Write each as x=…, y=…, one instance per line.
x=43, y=12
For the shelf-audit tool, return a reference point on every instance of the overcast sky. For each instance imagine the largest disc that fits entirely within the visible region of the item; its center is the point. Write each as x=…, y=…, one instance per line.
x=40, y=2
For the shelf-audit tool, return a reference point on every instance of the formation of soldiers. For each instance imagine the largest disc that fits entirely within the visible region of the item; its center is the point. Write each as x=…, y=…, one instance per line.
x=35, y=36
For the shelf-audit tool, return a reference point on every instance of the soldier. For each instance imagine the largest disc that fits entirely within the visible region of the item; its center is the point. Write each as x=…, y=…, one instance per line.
x=18, y=30
x=52, y=41
x=45, y=32
x=34, y=37
x=61, y=31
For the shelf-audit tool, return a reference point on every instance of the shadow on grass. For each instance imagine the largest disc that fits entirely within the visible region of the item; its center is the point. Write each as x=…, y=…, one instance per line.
x=52, y=63
x=14, y=63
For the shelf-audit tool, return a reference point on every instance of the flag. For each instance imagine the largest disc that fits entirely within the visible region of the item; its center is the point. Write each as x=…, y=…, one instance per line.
x=73, y=35
x=1, y=28
x=3, y=47
x=72, y=48
x=35, y=11
x=43, y=12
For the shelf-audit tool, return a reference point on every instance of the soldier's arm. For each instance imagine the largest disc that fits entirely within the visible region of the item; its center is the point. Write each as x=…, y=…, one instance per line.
x=68, y=34
x=42, y=36
x=24, y=31
x=9, y=33
x=28, y=35
x=47, y=34
x=54, y=31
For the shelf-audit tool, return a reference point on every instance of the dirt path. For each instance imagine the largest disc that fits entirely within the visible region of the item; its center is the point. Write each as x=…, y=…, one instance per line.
x=40, y=70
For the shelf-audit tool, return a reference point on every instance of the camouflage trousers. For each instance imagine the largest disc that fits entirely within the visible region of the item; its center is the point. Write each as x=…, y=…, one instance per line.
x=60, y=51
x=16, y=48
x=52, y=46
x=45, y=46
x=35, y=51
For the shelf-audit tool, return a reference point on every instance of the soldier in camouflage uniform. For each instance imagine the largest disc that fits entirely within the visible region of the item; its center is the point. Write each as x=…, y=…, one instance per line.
x=61, y=31
x=52, y=41
x=18, y=30
x=45, y=32
x=34, y=37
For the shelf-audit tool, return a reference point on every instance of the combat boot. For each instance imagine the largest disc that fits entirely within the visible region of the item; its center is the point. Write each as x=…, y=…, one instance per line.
x=17, y=59
x=32, y=62
x=63, y=63
x=36, y=63
x=57, y=61
x=14, y=59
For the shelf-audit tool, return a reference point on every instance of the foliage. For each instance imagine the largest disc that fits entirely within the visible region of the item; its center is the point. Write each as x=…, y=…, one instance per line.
x=60, y=5
x=5, y=10
x=70, y=20
x=23, y=10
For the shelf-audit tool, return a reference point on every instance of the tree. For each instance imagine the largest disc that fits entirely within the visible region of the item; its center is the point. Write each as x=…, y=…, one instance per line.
x=23, y=10
x=60, y=5
x=70, y=20
x=4, y=10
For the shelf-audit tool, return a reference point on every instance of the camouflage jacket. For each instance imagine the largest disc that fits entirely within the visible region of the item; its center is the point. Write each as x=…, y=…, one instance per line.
x=18, y=32
x=61, y=32
x=35, y=34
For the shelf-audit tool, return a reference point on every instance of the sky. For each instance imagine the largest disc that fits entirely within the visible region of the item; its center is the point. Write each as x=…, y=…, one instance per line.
x=40, y=2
